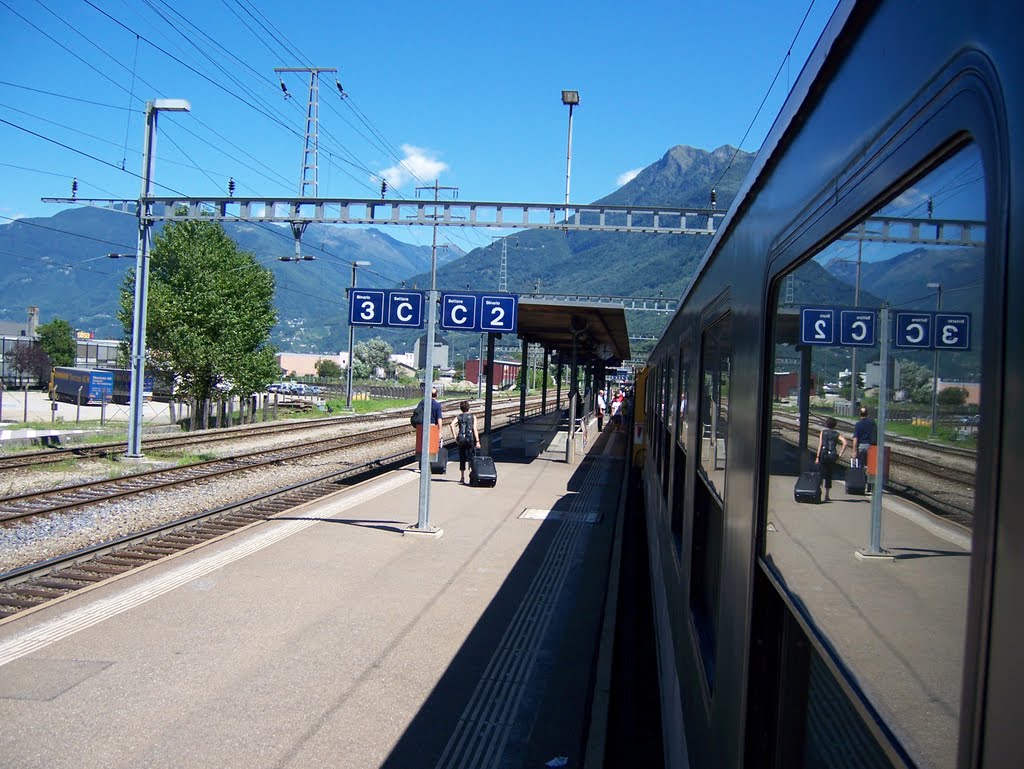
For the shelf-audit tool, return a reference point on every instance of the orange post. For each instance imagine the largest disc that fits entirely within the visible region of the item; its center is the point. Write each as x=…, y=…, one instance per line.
x=435, y=440
x=873, y=463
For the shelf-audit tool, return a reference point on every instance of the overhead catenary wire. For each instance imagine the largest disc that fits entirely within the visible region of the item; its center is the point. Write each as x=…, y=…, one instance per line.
x=339, y=161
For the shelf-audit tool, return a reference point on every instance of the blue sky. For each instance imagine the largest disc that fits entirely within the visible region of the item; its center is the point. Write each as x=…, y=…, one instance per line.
x=458, y=91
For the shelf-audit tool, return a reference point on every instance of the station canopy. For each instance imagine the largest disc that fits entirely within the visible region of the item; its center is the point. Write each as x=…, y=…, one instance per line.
x=599, y=329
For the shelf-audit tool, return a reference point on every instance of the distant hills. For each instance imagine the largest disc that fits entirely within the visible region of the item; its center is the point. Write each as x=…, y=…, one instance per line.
x=58, y=263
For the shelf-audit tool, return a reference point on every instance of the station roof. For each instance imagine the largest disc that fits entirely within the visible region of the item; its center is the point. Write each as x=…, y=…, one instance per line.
x=551, y=323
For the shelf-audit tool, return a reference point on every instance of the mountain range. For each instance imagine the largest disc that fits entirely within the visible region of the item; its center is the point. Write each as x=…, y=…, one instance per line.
x=59, y=263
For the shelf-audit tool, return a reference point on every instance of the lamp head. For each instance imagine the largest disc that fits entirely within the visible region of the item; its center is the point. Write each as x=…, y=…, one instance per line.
x=171, y=105
x=571, y=98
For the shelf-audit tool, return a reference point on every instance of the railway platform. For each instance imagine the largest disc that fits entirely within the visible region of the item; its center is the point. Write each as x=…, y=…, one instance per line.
x=329, y=637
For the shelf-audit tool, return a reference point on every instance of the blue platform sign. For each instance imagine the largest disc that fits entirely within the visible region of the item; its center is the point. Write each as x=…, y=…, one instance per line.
x=857, y=328
x=366, y=307
x=498, y=314
x=817, y=325
x=491, y=313
x=952, y=331
x=405, y=309
x=914, y=330
x=459, y=312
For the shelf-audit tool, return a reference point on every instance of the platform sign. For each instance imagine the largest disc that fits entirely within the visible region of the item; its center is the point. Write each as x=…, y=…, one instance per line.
x=459, y=312
x=366, y=307
x=857, y=328
x=490, y=313
x=405, y=309
x=817, y=325
x=914, y=330
x=498, y=314
x=952, y=331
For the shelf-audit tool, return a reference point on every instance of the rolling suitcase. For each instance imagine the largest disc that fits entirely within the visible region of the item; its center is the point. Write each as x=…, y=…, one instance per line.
x=439, y=464
x=808, y=487
x=482, y=471
x=856, y=479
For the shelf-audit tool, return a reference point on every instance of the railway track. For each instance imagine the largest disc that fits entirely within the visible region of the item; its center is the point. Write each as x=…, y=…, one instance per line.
x=22, y=506
x=152, y=444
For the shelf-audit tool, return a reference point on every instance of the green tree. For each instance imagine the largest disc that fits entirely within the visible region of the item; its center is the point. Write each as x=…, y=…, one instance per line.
x=917, y=381
x=375, y=354
x=57, y=339
x=327, y=369
x=952, y=396
x=210, y=312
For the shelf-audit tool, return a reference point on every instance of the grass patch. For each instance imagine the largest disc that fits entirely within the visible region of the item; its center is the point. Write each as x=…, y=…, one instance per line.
x=192, y=459
x=373, y=405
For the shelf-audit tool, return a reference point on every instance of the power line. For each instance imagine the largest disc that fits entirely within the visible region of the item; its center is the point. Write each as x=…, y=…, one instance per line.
x=65, y=96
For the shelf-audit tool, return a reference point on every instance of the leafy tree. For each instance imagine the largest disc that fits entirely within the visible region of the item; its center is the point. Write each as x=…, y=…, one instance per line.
x=210, y=312
x=952, y=396
x=30, y=358
x=57, y=339
x=917, y=381
x=327, y=369
x=375, y=354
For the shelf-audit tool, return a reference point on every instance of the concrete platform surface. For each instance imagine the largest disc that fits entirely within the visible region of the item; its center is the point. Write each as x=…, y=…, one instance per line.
x=328, y=637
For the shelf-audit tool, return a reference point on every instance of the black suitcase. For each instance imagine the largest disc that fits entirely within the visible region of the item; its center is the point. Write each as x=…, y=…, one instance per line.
x=482, y=471
x=439, y=465
x=856, y=479
x=808, y=487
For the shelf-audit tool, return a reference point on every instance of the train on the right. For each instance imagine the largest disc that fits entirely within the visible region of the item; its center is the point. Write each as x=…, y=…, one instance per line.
x=880, y=234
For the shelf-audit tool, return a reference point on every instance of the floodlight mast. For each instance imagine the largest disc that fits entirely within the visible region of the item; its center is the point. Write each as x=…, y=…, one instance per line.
x=138, y=355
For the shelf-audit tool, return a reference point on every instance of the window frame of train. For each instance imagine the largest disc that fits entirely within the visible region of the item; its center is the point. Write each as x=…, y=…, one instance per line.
x=707, y=523
x=667, y=421
x=678, y=502
x=895, y=643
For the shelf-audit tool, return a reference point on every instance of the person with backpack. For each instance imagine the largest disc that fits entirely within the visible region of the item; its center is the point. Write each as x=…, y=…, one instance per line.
x=829, y=451
x=467, y=438
x=436, y=415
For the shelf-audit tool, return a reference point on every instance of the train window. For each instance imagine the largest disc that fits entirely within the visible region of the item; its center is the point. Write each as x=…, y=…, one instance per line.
x=880, y=566
x=708, y=513
x=714, y=404
x=682, y=433
x=670, y=419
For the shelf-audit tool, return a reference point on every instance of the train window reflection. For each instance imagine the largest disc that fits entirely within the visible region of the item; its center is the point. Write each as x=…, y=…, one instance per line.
x=714, y=403
x=679, y=462
x=882, y=572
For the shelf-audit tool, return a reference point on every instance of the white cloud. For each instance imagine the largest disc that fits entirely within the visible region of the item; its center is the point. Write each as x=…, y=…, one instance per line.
x=627, y=177
x=418, y=165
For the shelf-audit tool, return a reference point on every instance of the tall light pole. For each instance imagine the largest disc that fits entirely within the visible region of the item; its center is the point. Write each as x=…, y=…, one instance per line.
x=571, y=99
x=153, y=108
x=935, y=362
x=351, y=339
x=853, y=351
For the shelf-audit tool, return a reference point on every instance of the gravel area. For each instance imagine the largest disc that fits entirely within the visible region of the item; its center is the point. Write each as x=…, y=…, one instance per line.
x=41, y=538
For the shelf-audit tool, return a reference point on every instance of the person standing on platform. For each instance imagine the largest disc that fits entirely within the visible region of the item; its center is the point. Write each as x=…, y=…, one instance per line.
x=467, y=438
x=616, y=412
x=829, y=452
x=601, y=406
x=865, y=435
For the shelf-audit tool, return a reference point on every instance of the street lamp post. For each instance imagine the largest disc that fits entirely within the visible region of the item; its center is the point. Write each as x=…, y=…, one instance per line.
x=351, y=338
x=571, y=99
x=935, y=362
x=138, y=359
